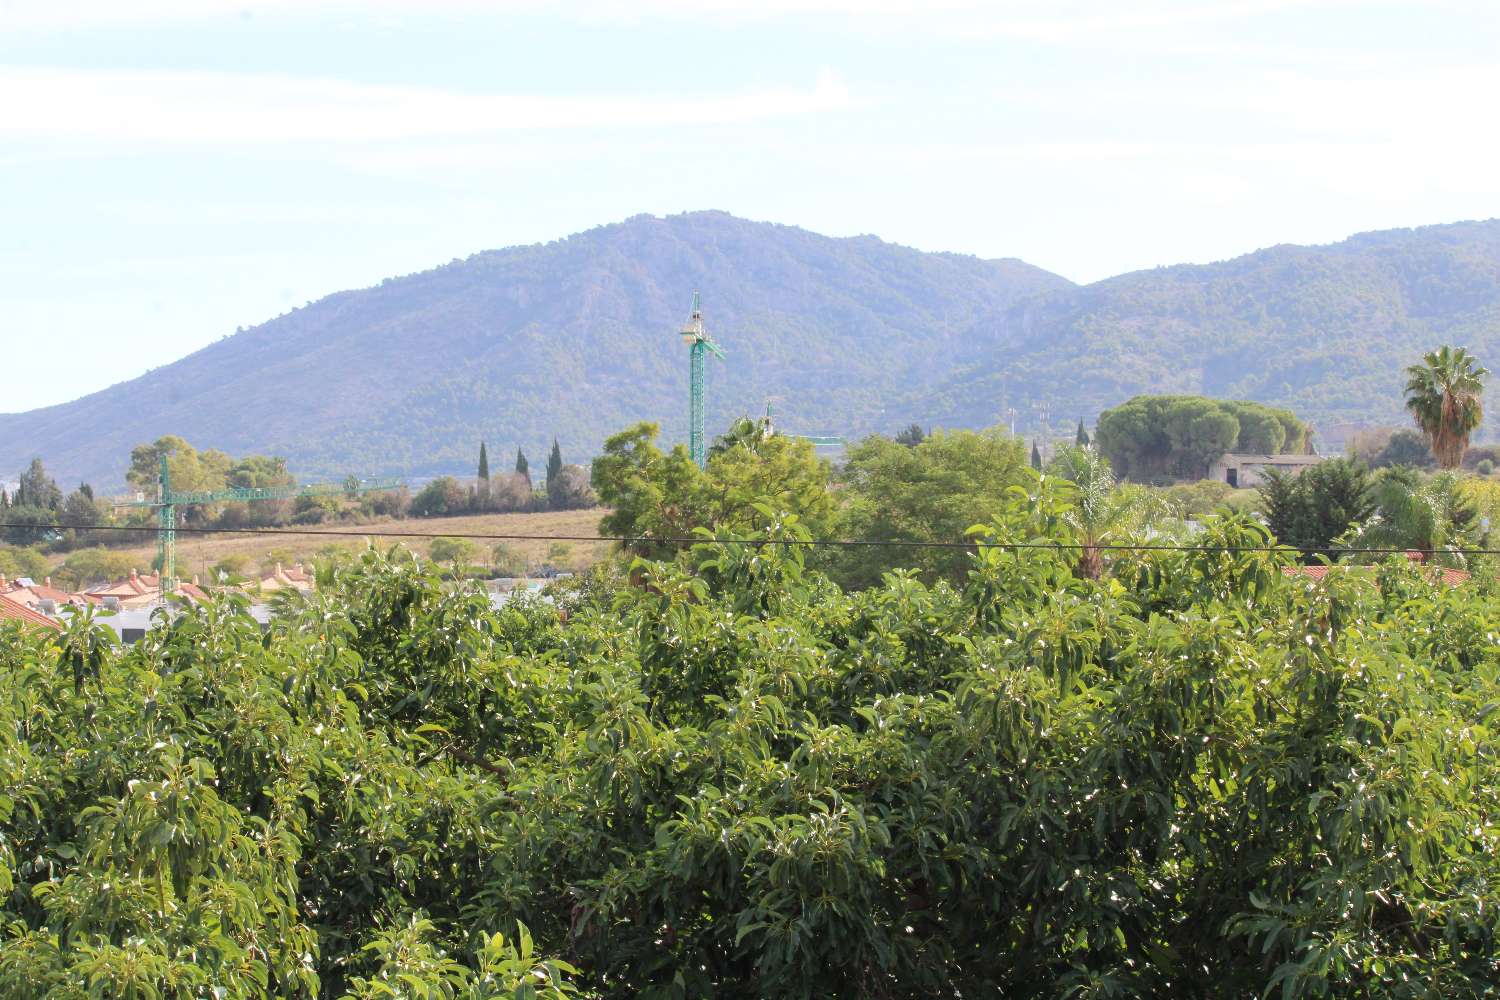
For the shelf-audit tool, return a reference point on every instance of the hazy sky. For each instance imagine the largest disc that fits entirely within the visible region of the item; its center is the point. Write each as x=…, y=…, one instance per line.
x=173, y=169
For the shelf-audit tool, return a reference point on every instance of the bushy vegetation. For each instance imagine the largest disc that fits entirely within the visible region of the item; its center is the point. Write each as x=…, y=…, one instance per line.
x=1198, y=776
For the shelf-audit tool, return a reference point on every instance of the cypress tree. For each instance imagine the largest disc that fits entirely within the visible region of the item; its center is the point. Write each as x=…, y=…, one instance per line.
x=1082, y=440
x=484, y=462
x=554, y=462
x=522, y=467
x=1036, y=456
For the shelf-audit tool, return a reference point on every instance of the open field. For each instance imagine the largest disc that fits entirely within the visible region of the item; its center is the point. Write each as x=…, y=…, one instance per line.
x=196, y=553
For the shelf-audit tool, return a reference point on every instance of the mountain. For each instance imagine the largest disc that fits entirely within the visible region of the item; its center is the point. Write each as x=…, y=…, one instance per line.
x=573, y=339
x=1324, y=330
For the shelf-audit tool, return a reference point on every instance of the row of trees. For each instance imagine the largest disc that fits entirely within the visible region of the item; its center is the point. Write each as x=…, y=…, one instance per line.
x=927, y=489
x=38, y=511
x=906, y=502
x=1159, y=437
x=566, y=487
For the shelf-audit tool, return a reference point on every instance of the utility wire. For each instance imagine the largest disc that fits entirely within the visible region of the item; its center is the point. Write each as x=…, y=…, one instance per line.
x=910, y=543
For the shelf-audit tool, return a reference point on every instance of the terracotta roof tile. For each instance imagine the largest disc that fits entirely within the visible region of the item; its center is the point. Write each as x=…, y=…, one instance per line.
x=11, y=610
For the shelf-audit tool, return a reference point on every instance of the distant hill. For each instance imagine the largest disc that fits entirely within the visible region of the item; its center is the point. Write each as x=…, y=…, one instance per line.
x=1323, y=330
x=575, y=338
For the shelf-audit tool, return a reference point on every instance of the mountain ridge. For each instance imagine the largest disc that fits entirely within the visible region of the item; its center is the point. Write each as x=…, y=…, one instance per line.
x=511, y=345
x=575, y=337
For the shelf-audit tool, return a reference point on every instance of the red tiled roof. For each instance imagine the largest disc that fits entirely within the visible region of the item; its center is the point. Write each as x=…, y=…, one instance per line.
x=1452, y=577
x=47, y=593
x=30, y=596
x=11, y=610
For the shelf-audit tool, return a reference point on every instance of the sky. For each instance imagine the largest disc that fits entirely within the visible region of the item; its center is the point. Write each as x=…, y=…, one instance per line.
x=173, y=170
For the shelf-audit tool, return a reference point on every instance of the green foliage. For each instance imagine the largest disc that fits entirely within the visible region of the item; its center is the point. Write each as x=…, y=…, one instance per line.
x=933, y=491
x=443, y=496
x=254, y=472
x=1312, y=509
x=1386, y=447
x=1443, y=396
x=232, y=567
x=37, y=489
x=18, y=560
x=912, y=435
x=1152, y=437
x=507, y=561
x=554, y=461
x=188, y=468
x=1433, y=514
x=315, y=509
x=1101, y=512
x=656, y=495
x=484, y=462
x=1199, y=778
x=79, y=511
x=1199, y=498
x=29, y=525
x=92, y=567
x=453, y=550
x=570, y=489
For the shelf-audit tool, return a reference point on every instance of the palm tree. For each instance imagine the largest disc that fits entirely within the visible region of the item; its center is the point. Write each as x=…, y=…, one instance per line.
x=1102, y=510
x=1443, y=394
x=1428, y=515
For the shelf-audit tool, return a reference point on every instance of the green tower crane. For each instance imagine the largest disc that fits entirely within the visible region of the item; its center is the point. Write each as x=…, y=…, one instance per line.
x=699, y=343
x=168, y=500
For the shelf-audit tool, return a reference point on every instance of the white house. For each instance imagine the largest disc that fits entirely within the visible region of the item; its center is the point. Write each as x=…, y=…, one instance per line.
x=1243, y=471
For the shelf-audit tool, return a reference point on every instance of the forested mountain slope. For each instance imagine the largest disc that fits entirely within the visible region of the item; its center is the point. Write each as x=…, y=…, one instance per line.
x=1324, y=330
x=573, y=339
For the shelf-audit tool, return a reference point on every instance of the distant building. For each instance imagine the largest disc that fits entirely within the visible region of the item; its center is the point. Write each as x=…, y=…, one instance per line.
x=137, y=591
x=41, y=597
x=295, y=578
x=1245, y=471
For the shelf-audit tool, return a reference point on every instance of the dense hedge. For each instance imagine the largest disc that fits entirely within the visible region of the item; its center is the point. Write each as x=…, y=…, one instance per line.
x=1199, y=778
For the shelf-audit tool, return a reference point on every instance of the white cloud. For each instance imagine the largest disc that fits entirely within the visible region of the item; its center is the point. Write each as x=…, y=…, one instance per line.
x=219, y=107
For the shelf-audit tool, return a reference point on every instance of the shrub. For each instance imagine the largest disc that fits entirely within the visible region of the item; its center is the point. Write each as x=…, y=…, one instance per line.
x=452, y=550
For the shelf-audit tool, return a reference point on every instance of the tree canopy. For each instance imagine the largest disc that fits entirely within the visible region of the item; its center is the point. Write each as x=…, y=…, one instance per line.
x=933, y=491
x=664, y=495
x=1158, y=437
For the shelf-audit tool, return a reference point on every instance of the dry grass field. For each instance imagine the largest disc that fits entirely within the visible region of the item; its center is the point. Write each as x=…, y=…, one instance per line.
x=196, y=553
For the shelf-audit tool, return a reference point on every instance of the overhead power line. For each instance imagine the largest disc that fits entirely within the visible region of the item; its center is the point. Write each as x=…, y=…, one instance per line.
x=909, y=543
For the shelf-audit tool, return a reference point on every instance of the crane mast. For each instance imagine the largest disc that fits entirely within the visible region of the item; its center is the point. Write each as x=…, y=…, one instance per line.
x=700, y=344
